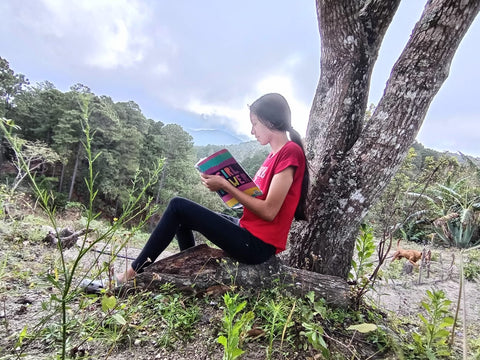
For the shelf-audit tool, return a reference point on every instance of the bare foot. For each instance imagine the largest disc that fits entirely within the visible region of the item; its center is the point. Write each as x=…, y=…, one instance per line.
x=125, y=276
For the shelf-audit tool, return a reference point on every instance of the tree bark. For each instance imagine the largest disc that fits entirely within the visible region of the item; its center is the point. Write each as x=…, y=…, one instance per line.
x=75, y=169
x=351, y=162
x=204, y=270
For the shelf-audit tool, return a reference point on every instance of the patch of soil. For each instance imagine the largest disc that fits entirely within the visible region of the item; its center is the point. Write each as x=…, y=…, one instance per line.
x=403, y=295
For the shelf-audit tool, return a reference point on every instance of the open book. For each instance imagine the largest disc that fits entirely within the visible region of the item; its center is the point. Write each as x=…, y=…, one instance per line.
x=223, y=163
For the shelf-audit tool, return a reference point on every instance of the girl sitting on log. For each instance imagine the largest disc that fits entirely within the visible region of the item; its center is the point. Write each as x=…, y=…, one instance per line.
x=263, y=229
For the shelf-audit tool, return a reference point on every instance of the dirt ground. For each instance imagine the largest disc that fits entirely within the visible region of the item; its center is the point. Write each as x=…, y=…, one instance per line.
x=402, y=296
x=22, y=295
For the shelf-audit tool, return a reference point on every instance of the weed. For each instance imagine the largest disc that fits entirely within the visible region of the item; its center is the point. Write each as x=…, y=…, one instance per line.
x=233, y=327
x=177, y=318
x=471, y=267
x=276, y=316
x=313, y=330
x=432, y=340
x=365, y=247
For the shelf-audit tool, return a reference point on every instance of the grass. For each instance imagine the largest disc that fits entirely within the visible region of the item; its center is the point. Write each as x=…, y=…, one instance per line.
x=166, y=322
x=151, y=323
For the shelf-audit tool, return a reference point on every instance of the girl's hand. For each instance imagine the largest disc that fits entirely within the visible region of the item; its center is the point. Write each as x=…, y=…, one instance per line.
x=214, y=182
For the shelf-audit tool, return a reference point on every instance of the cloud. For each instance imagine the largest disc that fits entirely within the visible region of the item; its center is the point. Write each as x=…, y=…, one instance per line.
x=102, y=33
x=235, y=116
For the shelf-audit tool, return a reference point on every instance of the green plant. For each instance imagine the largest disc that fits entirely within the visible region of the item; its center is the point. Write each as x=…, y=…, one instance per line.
x=4, y=198
x=365, y=247
x=475, y=347
x=233, y=327
x=471, y=267
x=177, y=319
x=63, y=276
x=313, y=312
x=432, y=340
x=455, y=208
x=276, y=315
x=363, y=274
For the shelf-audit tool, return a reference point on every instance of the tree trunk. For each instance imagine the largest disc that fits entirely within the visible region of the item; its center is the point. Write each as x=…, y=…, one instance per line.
x=62, y=174
x=75, y=169
x=351, y=162
x=204, y=270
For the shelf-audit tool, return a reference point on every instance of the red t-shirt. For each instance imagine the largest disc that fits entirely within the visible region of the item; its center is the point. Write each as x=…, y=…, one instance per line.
x=276, y=232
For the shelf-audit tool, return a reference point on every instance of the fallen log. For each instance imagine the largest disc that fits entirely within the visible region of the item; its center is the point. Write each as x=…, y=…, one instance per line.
x=204, y=270
x=67, y=236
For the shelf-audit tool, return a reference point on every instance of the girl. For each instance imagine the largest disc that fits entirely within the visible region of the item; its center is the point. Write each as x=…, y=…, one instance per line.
x=263, y=229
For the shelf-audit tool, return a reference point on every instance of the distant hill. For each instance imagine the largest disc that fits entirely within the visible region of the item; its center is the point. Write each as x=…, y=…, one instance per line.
x=240, y=151
x=423, y=152
x=251, y=154
x=215, y=137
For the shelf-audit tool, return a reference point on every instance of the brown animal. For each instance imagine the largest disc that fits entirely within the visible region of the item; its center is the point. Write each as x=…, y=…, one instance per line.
x=411, y=255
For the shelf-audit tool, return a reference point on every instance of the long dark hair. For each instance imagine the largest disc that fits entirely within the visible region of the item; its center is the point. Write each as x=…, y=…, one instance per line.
x=273, y=111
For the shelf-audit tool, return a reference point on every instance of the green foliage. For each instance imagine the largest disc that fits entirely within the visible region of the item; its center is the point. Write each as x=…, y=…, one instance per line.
x=471, y=267
x=427, y=187
x=455, y=209
x=62, y=279
x=365, y=248
x=177, y=318
x=11, y=85
x=432, y=340
x=475, y=346
x=125, y=138
x=275, y=311
x=164, y=319
x=4, y=199
x=233, y=326
x=313, y=330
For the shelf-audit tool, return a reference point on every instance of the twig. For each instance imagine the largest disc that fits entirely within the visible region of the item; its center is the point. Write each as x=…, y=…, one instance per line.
x=118, y=255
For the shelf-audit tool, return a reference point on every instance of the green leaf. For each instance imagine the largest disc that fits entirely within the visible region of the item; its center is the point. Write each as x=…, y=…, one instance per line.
x=236, y=353
x=448, y=321
x=21, y=336
x=119, y=319
x=311, y=296
x=363, y=328
x=108, y=303
x=222, y=340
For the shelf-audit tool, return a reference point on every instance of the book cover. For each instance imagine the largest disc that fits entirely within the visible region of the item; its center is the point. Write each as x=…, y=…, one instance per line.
x=223, y=163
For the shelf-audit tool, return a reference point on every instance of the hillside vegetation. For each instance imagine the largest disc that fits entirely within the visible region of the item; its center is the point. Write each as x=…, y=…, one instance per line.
x=80, y=162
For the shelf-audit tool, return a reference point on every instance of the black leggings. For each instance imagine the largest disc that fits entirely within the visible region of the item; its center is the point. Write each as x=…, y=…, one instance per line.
x=182, y=216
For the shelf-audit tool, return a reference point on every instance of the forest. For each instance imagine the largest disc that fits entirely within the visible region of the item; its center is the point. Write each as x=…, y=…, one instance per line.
x=79, y=152
x=49, y=124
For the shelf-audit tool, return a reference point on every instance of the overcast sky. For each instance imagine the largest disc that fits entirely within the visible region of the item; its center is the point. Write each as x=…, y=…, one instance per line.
x=214, y=57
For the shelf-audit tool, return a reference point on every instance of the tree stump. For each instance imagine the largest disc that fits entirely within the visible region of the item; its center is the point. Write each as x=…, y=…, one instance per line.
x=204, y=270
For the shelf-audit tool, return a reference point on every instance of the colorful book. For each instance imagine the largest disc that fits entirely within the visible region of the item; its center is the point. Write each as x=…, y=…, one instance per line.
x=223, y=163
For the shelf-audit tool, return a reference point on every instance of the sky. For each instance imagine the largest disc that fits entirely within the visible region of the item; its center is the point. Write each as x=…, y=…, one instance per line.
x=200, y=64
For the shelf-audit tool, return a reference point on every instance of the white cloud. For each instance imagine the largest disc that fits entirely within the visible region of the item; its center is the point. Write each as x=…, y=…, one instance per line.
x=104, y=33
x=236, y=116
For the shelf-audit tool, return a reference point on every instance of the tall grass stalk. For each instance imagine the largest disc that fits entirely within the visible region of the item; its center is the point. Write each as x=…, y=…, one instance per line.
x=461, y=301
x=63, y=280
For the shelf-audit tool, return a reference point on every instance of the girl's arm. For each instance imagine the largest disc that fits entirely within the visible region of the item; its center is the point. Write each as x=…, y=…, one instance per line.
x=266, y=209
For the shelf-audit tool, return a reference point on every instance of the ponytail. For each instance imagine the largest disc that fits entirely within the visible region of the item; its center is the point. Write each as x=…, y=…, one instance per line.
x=301, y=211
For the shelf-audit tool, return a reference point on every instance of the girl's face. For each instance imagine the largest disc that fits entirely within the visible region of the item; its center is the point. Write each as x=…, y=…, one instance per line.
x=259, y=130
